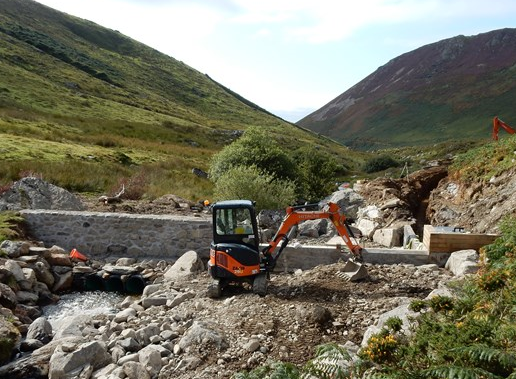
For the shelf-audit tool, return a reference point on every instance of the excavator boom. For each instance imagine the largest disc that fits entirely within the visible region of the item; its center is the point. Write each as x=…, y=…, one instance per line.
x=353, y=270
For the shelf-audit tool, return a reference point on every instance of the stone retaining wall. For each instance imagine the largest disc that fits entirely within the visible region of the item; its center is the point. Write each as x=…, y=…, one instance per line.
x=103, y=235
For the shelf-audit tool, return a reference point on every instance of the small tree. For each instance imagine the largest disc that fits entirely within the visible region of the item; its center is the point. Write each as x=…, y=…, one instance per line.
x=251, y=183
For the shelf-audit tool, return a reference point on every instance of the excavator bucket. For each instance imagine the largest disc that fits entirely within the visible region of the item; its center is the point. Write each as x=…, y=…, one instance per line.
x=353, y=271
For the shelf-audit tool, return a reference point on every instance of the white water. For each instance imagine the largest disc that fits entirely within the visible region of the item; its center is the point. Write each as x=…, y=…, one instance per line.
x=83, y=303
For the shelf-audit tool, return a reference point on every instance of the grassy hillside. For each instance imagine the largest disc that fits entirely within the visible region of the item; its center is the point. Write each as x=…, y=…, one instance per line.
x=88, y=108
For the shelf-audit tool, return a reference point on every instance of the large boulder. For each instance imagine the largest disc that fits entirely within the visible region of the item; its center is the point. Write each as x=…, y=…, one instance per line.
x=349, y=202
x=462, y=262
x=202, y=333
x=187, y=264
x=40, y=330
x=71, y=360
x=35, y=193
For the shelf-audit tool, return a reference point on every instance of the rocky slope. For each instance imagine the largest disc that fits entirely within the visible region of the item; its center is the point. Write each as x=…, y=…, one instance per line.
x=477, y=206
x=175, y=330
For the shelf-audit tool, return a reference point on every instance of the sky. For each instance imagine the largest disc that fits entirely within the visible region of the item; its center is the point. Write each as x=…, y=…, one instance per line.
x=291, y=57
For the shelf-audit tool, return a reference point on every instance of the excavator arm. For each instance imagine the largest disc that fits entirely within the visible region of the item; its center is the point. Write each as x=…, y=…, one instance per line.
x=294, y=216
x=497, y=123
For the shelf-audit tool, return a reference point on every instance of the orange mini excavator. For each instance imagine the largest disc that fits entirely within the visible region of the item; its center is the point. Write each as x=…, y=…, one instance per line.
x=235, y=254
x=497, y=123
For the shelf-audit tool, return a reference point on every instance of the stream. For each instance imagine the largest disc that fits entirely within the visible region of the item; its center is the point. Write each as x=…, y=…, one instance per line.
x=86, y=303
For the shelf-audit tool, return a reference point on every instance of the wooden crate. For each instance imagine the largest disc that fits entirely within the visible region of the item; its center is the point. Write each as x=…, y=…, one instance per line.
x=445, y=240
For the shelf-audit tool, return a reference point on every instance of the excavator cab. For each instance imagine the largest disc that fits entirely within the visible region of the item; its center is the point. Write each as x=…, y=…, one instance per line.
x=234, y=221
x=234, y=252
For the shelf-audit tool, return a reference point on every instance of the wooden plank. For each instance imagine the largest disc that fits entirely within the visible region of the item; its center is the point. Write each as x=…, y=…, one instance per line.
x=438, y=241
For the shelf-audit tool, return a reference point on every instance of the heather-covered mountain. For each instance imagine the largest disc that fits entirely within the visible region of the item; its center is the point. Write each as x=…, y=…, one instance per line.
x=444, y=91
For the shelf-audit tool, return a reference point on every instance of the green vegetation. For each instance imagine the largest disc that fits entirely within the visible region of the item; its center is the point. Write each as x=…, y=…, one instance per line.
x=468, y=336
x=471, y=335
x=327, y=364
x=242, y=182
x=10, y=223
x=486, y=161
x=254, y=148
x=380, y=163
x=255, y=167
x=87, y=108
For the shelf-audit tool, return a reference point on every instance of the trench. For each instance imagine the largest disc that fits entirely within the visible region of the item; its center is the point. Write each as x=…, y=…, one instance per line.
x=421, y=190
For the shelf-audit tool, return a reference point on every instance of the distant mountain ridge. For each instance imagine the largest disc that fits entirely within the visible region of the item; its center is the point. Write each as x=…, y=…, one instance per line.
x=446, y=90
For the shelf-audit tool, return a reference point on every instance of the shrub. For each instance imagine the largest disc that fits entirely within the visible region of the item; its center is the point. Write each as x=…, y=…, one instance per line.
x=254, y=148
x=492, y=280
x=379, y=164
x=134, y=187
x=441, y=303
x=317, y=172
x=380, y=348
x=253, y=184
x=394, y=324
x=272, y=370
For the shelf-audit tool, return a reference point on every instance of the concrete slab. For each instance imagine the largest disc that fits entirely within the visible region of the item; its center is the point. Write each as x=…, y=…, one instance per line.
x=308, y=256
x=395, y=256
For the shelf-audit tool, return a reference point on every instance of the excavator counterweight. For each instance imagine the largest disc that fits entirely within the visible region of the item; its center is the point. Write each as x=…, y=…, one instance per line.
x=235, y=255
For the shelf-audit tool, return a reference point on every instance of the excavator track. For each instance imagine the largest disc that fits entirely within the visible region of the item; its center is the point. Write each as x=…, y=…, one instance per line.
x=215, y=289
x=260, y=284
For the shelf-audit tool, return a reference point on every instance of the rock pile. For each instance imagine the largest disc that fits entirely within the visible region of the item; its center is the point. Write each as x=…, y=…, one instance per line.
x=174, y=330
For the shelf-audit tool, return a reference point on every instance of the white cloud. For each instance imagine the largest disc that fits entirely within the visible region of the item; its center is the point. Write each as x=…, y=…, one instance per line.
x=326, y=20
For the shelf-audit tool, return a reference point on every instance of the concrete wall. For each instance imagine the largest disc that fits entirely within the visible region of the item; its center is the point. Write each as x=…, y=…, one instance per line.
x=104, y=235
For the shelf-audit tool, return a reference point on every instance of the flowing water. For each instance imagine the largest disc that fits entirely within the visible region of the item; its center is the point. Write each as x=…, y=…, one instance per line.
x=86, y=303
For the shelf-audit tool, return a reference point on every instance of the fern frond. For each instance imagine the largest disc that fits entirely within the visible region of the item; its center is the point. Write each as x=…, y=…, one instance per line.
x=489, y=354
x=331, y=361
x=282, y=370
x=458, y=372
x=272, y=370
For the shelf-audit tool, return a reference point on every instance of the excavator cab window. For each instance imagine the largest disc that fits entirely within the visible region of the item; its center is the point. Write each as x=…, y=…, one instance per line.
x=235, y=223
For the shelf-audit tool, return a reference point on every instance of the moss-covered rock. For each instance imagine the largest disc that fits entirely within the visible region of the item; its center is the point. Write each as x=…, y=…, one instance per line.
x=9, y=339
